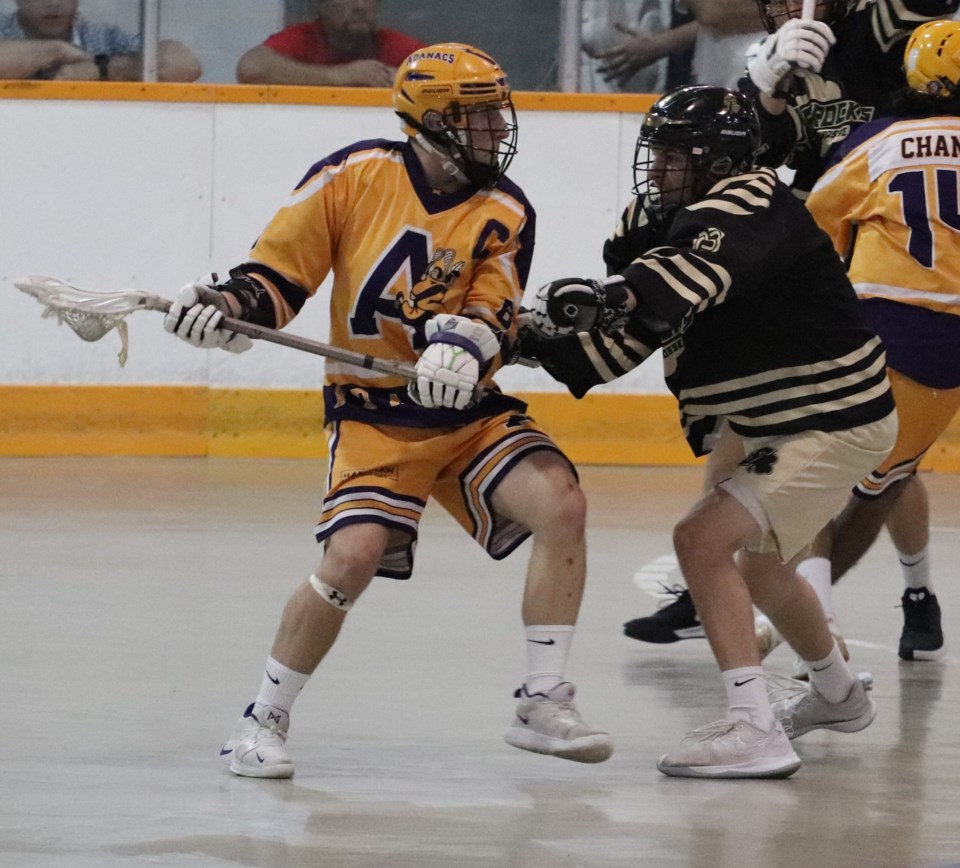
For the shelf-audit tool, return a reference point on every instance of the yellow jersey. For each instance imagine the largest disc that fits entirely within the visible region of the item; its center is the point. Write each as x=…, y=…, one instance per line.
x=894, y=197
x=399, y=253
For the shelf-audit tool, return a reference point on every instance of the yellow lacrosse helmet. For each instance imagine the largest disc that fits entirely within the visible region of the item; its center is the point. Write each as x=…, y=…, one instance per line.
x=931, y=59
x=447, y=94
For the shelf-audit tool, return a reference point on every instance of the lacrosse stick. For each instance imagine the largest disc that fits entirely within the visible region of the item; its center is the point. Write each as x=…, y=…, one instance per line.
x=92, y=314
x=809, y=10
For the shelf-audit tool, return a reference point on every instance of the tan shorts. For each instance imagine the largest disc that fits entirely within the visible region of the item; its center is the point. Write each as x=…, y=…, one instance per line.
x=792, y=486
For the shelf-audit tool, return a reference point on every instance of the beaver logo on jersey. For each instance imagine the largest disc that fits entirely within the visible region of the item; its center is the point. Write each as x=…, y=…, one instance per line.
x=439, y=274
x=708, y=241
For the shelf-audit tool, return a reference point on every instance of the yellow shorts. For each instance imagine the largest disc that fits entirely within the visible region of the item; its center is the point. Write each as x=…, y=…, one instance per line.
x=383, y=474
x=924, y=415
x=792, y=486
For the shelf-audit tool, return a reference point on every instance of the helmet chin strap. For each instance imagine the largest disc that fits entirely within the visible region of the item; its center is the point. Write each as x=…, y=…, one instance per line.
x=446, y=161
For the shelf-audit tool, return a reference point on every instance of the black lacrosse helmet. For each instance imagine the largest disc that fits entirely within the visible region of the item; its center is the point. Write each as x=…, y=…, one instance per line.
x=711, y=132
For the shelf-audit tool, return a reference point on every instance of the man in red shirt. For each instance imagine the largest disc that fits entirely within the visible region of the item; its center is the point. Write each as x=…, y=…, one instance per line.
x=342, y=47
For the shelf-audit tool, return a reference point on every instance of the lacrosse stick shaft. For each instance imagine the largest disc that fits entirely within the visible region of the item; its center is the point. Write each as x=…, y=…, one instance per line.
x=273, y=336
x=373, y=363
x=809, y=10
x=296, y=342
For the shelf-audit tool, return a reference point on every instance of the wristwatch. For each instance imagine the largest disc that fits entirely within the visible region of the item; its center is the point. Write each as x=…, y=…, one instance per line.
x=103, y=65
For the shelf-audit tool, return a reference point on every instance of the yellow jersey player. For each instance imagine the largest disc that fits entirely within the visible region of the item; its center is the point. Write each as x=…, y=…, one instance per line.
x=429, y=245
x=890, y=204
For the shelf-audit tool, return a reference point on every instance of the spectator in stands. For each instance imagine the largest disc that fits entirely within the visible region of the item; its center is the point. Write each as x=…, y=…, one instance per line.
x=47, y=39
x=342, y=47
x=717, y=32
x=725, y=30
x=607, y=26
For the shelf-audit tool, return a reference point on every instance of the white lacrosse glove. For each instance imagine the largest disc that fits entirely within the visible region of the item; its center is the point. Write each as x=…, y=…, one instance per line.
x=576, y=304
x=449, y=369
x=799, y=44
x=196, y=315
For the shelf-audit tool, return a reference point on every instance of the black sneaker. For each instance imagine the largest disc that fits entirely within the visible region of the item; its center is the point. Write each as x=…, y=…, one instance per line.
x=922, y=638
x=676, y=621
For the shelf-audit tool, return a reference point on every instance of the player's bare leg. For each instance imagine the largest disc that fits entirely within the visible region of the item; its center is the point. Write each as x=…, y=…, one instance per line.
x=542, y=493
x=842, y=543
x=848, y=536
x=909, y=527
x=749, y=743
x=908, y=521
x=837, y=548
x=836, y=699
x=707, y=540
x=789, y=602
x=680, y=620
x=309, y=626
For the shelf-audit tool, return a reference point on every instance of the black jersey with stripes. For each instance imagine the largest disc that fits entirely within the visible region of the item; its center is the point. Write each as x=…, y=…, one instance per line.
x=762, y=324
x=860, y=73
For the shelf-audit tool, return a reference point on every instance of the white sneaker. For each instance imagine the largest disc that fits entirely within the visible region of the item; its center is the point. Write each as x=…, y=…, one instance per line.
x=732, y=749
x=257, y=751
x=807, y=710
x=549, y=723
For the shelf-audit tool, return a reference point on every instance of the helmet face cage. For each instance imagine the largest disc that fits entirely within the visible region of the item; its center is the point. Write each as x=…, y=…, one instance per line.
x=931, y=60
x=773, y=13
x=667, y=177
x=481, y=138
x=691, y=138
x=458, y=99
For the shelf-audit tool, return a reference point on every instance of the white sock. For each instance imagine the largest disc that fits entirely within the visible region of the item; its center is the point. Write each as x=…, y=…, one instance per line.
x=916, y=570
x=279, y=687
x=817, y=573
x=747, y=696
x=547, y=649
x=831, y=676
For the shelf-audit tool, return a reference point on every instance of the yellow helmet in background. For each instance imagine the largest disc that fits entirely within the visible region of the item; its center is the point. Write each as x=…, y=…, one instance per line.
x=931, y=59
x=455, y=97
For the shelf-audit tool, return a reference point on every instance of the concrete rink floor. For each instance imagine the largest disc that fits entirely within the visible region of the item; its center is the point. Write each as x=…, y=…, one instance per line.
x=139, y=600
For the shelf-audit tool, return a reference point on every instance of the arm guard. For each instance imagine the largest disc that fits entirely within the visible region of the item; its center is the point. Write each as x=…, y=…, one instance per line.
x=582, y=361
x=256, y=306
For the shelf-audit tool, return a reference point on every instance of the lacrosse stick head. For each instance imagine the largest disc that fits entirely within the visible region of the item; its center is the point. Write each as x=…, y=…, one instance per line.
x=89, y=314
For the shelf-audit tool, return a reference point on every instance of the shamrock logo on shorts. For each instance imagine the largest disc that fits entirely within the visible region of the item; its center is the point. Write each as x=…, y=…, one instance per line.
x=760, y=460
